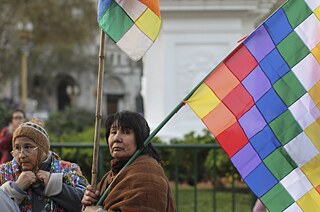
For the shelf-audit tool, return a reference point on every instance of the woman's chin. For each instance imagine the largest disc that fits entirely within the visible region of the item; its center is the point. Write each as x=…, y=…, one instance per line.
x=27, y=167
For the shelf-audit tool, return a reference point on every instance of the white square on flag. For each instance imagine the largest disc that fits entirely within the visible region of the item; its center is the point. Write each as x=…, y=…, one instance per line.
x=307, y=71
x=305, y=111
x=297, y=184
x=313, y=4
x=133, y=8
x=293, y=208
x=295, y=146
x=308, y=31
x=135, y=43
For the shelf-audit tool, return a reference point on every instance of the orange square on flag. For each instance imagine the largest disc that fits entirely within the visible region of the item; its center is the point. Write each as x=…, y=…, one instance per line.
x=219, y=119
x=153, y=5
x=222, y=81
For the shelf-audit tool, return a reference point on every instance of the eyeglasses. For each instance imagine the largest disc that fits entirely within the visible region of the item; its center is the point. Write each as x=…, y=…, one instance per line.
x=18, y=117
x=28, y=150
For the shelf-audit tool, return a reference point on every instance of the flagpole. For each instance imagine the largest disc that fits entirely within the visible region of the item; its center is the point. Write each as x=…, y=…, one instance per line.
x=153, y=134
x=98, y=111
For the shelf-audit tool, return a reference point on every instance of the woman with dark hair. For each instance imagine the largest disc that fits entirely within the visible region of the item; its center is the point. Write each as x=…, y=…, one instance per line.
x=141, y=186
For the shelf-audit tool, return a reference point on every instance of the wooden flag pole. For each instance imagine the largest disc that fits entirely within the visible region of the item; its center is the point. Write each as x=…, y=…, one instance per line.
x=96, y=143
x=153, y=134
x=138, y=152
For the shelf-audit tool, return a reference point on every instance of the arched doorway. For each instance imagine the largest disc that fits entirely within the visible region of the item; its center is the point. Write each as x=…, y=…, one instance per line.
x=63, y=96
x=114, y=93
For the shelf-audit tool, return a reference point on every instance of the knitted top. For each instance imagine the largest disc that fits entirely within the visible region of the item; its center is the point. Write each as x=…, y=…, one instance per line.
x=73, y=186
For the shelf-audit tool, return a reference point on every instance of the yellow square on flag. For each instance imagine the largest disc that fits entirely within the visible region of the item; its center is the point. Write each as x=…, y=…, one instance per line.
x=314, y=93
x=312, y=131
x=310, y=201
x=316, y=52
x=312, y=170
x=203, y=101
x=150, y=24
x=317, y=12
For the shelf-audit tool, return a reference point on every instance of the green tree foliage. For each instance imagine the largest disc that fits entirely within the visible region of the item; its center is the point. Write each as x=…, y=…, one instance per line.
x=77, y=126
x=6, y=108
x=73, y=126
x=186, y=158
x=62, y=32
x=209, y=162
x=69, y=122
x=82, y=157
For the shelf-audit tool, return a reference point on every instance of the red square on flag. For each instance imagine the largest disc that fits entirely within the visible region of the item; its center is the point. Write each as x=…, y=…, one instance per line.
x=239, y=101
x=232, y=139
x=241, y=62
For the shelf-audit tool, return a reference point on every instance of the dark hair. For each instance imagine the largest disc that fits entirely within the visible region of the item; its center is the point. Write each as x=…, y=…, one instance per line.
x=18, y=111
x=140, y=127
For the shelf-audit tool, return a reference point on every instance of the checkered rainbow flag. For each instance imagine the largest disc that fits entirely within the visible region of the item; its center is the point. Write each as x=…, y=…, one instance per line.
x=262, y=104
x=133, y=25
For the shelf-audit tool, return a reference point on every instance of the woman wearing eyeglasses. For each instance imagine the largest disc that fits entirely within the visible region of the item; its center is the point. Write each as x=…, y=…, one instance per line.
x=37, y=179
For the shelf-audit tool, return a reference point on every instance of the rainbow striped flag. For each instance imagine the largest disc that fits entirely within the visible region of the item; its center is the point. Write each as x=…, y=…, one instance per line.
x=133, y=25
x=262, y=103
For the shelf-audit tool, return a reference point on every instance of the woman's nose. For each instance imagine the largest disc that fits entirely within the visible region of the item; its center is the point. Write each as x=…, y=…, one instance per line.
x=22, y=154
x=118, y=137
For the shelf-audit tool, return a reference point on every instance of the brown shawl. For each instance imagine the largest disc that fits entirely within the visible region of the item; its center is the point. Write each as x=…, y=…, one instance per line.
x=142, y=186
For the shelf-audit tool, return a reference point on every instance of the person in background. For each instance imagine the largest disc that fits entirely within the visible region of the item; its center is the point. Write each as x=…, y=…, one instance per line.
x=37, y=179
x=141, y=186
x=17, y=117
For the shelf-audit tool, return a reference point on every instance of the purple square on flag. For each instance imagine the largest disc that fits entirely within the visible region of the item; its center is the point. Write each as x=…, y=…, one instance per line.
x=260, y=180
x=259, y=43
x=257, y=83
x=252, y=122
x=246, y=160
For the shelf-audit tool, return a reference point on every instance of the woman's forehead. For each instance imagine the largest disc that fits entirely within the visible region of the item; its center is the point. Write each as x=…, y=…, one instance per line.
x=121, y=124
x=24, y=140
x=115, y=127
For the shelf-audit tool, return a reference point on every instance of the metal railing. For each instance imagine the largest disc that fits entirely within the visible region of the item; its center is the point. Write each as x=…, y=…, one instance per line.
x=185, y=183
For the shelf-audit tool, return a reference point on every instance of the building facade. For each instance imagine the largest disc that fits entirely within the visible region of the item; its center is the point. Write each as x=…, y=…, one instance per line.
x=195, y=36
x=121, y=90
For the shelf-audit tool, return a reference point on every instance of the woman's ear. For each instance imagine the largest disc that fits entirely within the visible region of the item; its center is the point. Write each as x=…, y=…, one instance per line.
x=44, y=156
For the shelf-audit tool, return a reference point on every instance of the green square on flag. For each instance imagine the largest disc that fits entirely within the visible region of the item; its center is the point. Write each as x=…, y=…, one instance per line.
x=279, y=163
x=289, y=88
x=297, y=11
x=277, y=199
x=288, y=122
x=292, y=49
x=113, y=18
